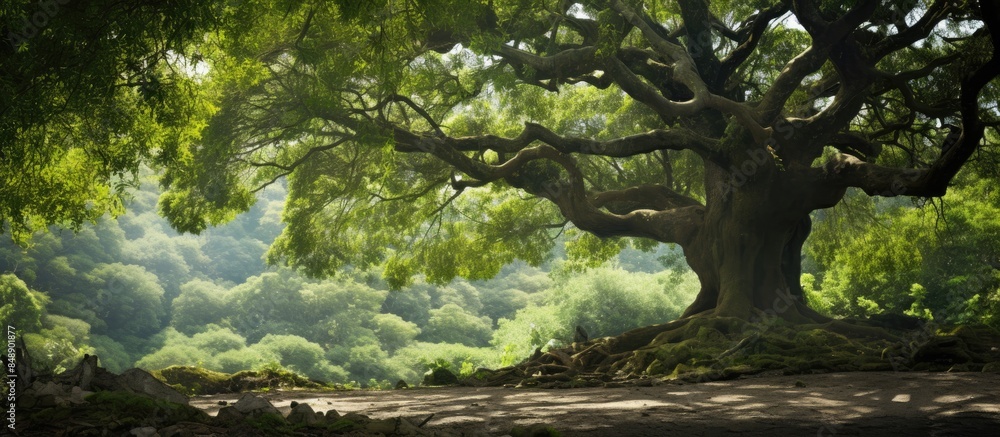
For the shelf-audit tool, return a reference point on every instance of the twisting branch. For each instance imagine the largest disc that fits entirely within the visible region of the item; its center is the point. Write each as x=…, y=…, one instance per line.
x=937, y=12
x=677, y=225
x=685, y=70
x=565, y=64
x=753, y=37
x=825, y=37
x=646, y=196
x=659, y=139
x=698, y=21
x=848, y=171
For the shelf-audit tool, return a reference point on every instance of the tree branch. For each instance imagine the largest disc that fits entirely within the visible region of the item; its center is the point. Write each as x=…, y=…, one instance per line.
x=673, y=139
x=647, y=196
x=753, y=37
x=676, y=225
x=825, y=35
x=685, y=69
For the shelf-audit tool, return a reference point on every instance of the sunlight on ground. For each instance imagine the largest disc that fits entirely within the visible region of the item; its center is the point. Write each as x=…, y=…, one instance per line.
x=901, y=398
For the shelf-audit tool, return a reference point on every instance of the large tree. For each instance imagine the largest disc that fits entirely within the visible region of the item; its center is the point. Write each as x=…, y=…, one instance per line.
x=450, y=137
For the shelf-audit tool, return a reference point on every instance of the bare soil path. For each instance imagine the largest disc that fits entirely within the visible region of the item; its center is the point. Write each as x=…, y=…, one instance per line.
x=836, y=404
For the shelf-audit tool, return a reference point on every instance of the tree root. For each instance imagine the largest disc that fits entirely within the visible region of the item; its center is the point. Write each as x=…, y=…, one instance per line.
x=704, y=347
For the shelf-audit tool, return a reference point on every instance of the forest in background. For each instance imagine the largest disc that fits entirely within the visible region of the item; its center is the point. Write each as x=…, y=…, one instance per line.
x=136, y=293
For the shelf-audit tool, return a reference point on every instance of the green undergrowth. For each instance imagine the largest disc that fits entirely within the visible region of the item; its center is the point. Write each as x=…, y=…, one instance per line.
x=198, y=381
x=712, y=349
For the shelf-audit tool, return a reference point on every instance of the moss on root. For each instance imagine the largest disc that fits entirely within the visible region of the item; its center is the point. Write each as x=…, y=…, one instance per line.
x=708, y=348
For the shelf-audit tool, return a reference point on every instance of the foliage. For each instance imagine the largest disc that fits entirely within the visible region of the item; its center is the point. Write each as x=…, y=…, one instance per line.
x=86, y=103
x=411, y=361
x=216, y=340
x=200, y=302
x=393, y=332
x=936, y=262
x=300, y=355
x=112, y=354
x=59, y=345
x=607, y=302
x=604, y=301
x=20, y=306
x=235, y=360
x=173, y=355
x=453, y=324
x=139, y=309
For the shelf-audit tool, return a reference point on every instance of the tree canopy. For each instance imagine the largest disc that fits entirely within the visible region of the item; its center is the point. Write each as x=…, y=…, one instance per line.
x=88, y=92
x=451, y=144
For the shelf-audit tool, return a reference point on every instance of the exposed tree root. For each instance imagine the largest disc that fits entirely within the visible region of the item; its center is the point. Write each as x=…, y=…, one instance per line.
x=704, y=347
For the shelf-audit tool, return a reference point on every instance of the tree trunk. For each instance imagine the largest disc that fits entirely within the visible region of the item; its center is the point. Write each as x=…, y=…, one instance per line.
x=747, y=255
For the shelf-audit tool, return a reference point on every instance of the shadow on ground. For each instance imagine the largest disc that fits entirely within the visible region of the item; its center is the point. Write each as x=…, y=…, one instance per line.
x=836, y=404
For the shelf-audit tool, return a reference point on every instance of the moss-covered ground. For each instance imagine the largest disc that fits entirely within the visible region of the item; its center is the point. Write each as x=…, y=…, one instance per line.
x=706, y=349
x=198, y=381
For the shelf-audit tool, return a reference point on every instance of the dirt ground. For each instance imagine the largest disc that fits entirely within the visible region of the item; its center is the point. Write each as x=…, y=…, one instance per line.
x=836, y=404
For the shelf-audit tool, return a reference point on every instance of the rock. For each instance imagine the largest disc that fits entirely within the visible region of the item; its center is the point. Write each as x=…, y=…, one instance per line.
x=439, y=376
x=228, y=416
x=383, y=426
x=251, y=404
x=141, y=382
x=320, y=418
x=401, y=385
x=405, y=427
x=82, y=375
x=78, y=395
x=356, y=418
x=146, y=431
x=332, y=415
x=50, y=388
x=27, y=400
x=993, y=367
x=302, y=414
x=175, y=431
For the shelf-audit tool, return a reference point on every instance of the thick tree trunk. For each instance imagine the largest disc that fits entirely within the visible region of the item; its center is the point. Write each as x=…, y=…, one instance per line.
x=747, y=255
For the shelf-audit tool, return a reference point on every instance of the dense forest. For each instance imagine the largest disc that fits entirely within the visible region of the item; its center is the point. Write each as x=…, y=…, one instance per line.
x=136, y=293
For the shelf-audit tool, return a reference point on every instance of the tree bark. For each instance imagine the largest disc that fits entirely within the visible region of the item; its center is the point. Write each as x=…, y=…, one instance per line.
x=747, y=255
